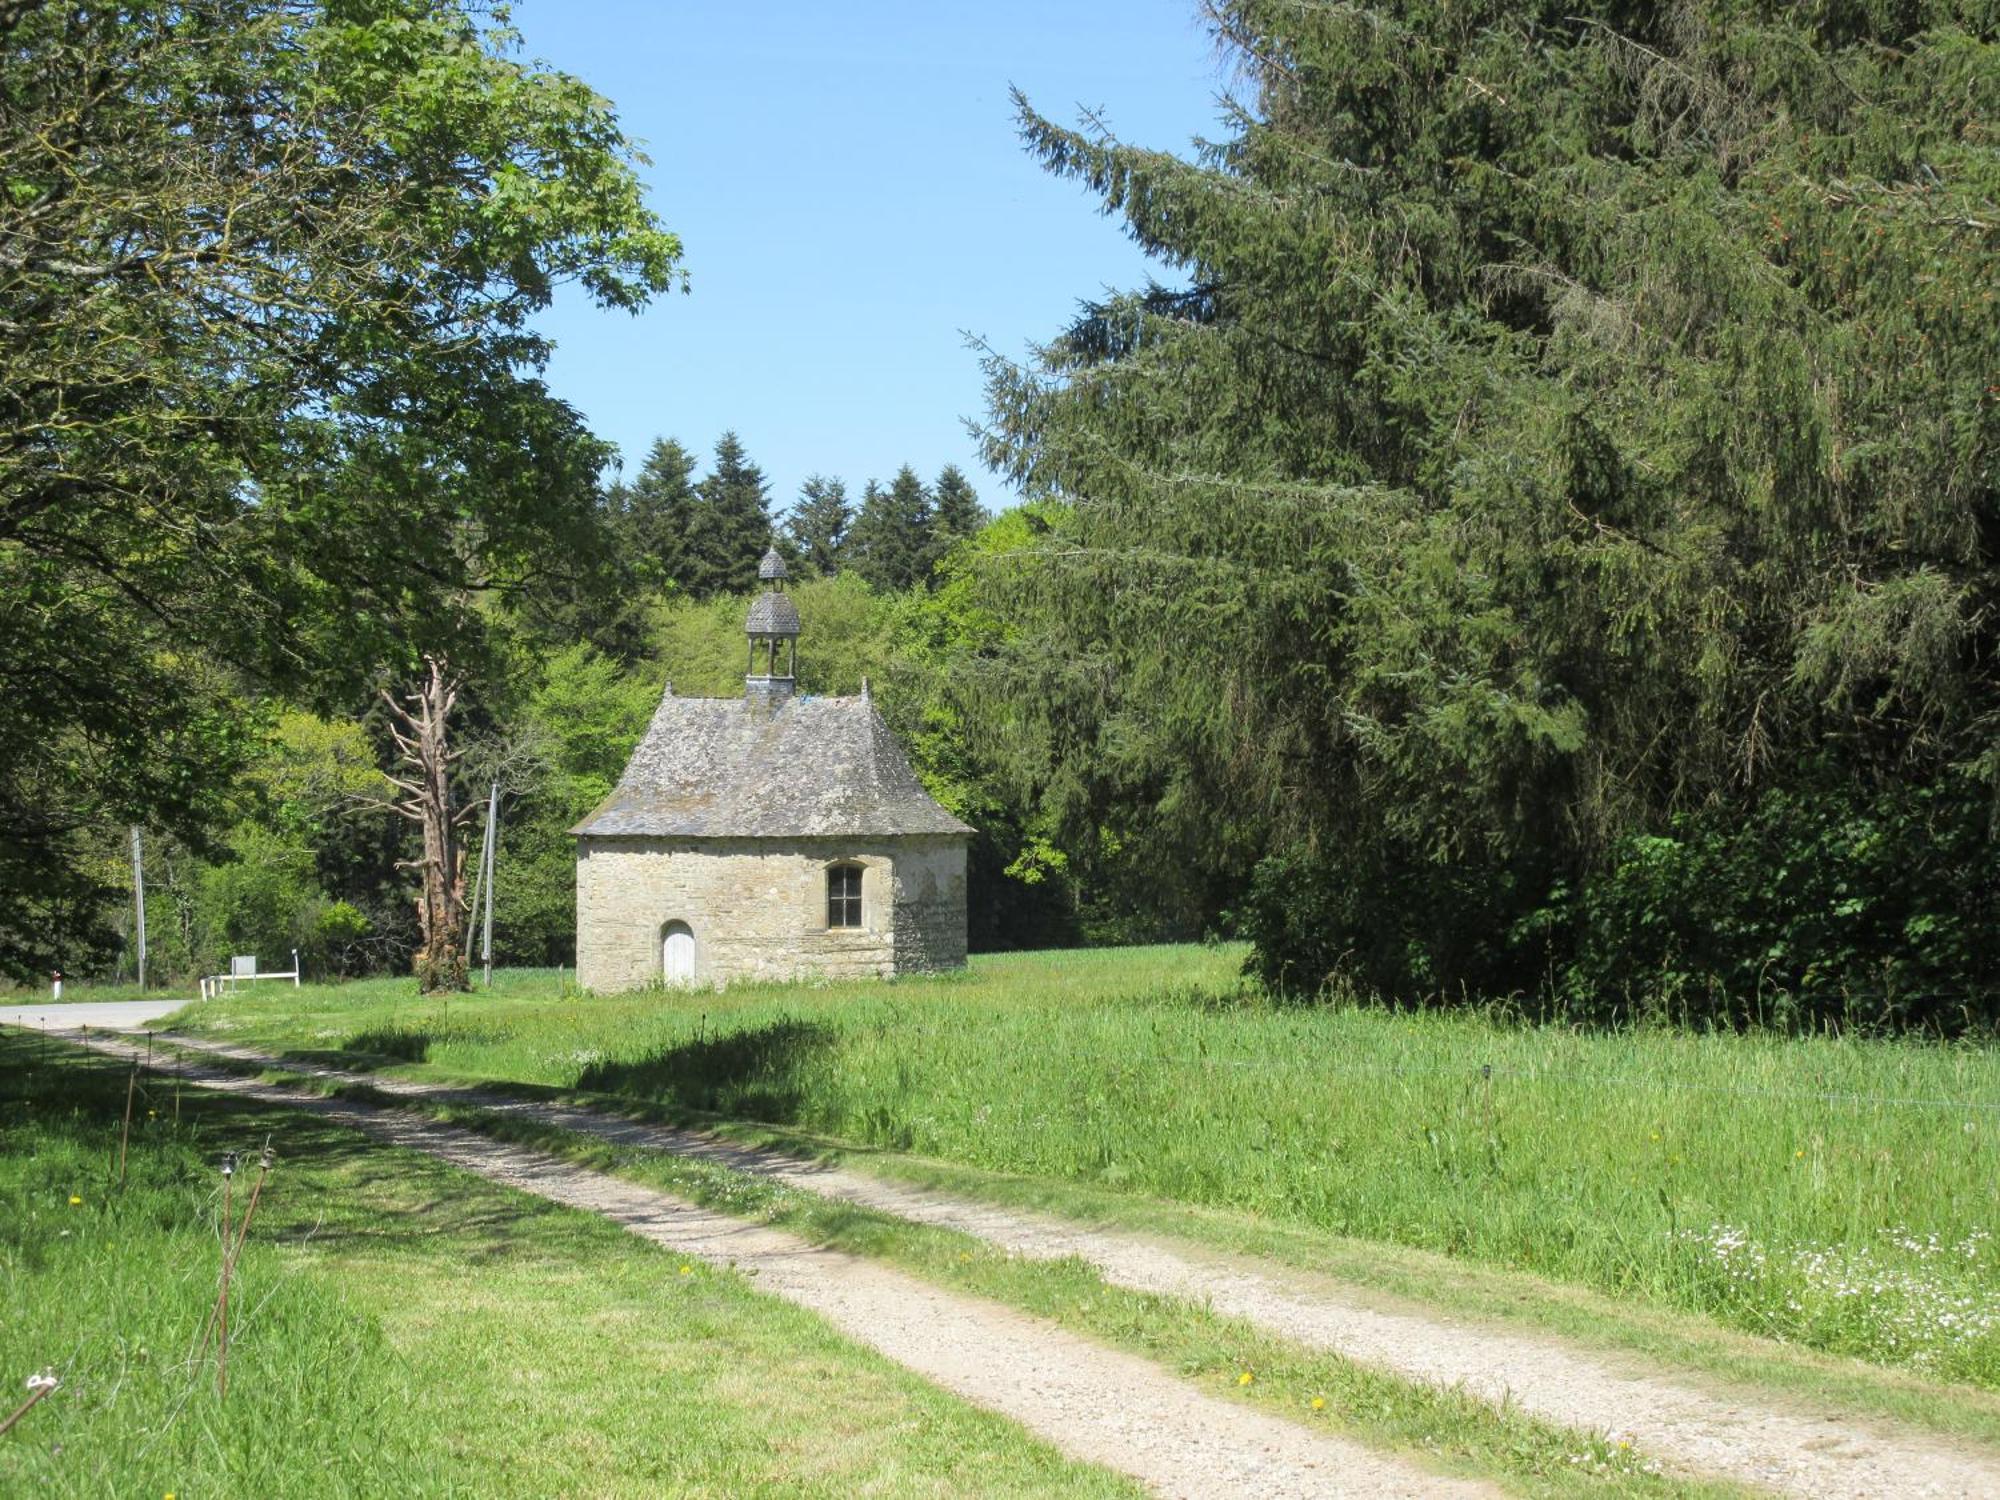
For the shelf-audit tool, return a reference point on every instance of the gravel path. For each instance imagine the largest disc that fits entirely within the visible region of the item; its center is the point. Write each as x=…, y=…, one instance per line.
x=111, y=1015
x=1093, y=1403
x=1671, y=1419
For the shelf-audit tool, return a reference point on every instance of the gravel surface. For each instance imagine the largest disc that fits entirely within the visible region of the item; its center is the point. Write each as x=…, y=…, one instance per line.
x=1093, y=1403
x=1778, y=1447
x=112, y=1015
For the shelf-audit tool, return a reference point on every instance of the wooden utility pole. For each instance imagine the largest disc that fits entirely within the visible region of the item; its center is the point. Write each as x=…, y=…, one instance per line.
x=426, y=801
x=139, y=900
x=486, y=866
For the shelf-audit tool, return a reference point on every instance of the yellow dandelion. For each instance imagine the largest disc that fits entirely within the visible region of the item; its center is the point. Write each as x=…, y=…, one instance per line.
x=1319, y=1403
x=1798, y=1153
x=687, y=1270
x=74, y=1201
x=1245, y=1378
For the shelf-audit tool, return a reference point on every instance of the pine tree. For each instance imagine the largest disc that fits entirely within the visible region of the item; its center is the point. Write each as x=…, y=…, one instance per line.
x=959, y=513
x=729, y=526
x=862, y=534
x=956, y=513
x=652, y=514
x=819, y=522
x=892, y=536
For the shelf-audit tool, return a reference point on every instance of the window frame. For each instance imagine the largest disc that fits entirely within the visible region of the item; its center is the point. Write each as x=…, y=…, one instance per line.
x=845, y=911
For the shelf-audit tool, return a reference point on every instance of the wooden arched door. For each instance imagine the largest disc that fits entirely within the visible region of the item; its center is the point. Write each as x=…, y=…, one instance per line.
x=677, y=953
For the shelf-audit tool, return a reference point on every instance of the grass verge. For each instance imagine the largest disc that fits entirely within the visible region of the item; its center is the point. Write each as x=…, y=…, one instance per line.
x=404, y=1327
x=1648, y=1337
x=1833, y=1193
x=1447, y=1430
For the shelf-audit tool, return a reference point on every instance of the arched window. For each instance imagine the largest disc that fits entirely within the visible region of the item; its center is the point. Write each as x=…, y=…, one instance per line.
x=843, y=896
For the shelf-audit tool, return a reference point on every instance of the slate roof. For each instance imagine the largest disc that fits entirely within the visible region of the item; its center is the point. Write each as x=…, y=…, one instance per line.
x=773, y=614
x=729, y=768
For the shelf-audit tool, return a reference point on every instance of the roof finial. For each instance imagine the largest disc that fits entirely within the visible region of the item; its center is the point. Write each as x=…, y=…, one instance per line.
x=772, y=568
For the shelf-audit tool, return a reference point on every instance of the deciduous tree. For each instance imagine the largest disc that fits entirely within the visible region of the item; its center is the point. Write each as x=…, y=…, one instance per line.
x=430, y=799
x=269, y=403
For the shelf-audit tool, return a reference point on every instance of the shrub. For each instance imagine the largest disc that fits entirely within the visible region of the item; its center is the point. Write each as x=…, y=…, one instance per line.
x=1821, y=905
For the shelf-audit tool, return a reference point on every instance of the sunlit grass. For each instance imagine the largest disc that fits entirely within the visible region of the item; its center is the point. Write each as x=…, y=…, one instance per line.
x=1620, y=1161
x=404, y=1328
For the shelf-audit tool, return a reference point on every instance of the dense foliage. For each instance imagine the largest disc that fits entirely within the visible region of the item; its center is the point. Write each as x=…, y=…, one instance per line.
x=302, y=854
x=1551, y=521
x=269, y=413
x=1543, y=542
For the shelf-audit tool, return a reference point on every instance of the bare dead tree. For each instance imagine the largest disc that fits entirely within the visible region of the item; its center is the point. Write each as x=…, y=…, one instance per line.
x=424, y=717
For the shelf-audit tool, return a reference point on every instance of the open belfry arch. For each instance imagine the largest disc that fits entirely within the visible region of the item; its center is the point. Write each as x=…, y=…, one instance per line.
x=772, y=836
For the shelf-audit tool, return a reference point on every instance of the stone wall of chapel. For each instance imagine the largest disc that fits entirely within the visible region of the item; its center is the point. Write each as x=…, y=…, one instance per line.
x=929, y=886
x=757, y=908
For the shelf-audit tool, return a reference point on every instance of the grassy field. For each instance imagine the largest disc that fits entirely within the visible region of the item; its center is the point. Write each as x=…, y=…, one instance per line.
x=1835, y=1193
x=404, y=1328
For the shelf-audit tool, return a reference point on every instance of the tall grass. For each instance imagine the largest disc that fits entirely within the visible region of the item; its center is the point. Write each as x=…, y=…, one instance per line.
x=1834, y=1192
x=112, y=1289
x=400, y=1327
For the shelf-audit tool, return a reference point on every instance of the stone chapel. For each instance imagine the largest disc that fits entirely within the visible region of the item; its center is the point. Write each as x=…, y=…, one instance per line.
x=773, y=836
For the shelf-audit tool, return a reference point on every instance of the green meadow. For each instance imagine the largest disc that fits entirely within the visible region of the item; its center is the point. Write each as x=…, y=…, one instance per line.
x=1835, y=1193
x=401, y=1327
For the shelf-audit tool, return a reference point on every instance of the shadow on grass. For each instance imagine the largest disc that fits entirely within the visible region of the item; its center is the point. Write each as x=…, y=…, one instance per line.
x=750, y=1073
x=393, y=1045
x=364, y=1052
x=333, y=1188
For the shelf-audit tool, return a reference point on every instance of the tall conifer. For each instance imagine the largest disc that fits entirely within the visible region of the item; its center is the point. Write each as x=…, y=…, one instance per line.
x=892, y=535
x=652, y=513
x=729, y=526
x=819, y=522
x=1568, y=458
x=956, y=511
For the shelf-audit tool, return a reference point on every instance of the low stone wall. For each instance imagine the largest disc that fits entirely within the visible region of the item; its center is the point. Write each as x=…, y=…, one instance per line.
x=757, y=907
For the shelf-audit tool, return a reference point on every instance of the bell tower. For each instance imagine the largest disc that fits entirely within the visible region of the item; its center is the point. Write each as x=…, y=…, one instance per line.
x=773, y=626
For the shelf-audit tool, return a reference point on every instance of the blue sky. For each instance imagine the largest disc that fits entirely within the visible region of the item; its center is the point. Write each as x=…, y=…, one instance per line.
x=854, y=199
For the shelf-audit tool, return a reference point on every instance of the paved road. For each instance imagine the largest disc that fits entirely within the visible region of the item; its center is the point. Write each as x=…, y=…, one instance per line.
x=111, y=1015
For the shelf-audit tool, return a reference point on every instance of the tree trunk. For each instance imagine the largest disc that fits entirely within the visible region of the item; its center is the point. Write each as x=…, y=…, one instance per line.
x=427, y=801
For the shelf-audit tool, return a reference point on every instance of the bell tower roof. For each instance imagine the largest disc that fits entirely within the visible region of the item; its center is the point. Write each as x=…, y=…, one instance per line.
x=773, y=616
